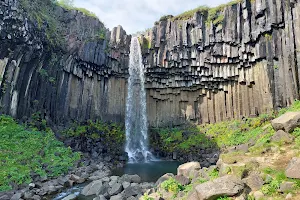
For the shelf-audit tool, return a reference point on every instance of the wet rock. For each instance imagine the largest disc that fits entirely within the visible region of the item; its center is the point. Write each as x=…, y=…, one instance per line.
x=92, y=188
x=70, y=197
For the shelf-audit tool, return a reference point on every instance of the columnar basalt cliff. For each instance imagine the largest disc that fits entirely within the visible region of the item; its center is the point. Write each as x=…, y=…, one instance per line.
x=242, y=63
x=83, y=77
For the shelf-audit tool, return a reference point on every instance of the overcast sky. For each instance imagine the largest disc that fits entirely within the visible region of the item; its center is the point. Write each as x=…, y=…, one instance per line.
x=138, y=15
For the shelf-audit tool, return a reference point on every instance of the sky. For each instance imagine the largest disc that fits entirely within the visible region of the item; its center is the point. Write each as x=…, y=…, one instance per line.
x=138, y=15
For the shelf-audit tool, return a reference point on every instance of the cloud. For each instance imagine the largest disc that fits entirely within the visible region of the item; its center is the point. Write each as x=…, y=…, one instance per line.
x=138, y=15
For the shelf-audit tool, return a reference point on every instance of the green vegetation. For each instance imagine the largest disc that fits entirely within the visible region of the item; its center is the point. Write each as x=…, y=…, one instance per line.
x=24, y=152
x=190, y=13
x=182, y=139
x=171, y=185
x=69, y=5
x=42, y=12
x=268, y=36
x=112, y=133
x=214, y=15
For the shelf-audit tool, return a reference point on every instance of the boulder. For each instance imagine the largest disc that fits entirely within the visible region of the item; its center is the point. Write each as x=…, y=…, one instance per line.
x=125, y=184
x=164, y=178
x=286, y=186
x=132, y=191
x=258, y=195
x=130, y=178
x=92, y=188
x=254, y=182
x=16, y=196
x=117, y=197
x=281, y=136
x=225, y=186
x=287, y=122
x=292, y=170
x=182, y=180
x=77, y=179
x=116, y=189
x=185, y=169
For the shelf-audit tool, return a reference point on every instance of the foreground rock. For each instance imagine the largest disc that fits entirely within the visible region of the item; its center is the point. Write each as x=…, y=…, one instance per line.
x=115, y=187
x=292, y=170
x=287, y=122
x=225, y=186
x=186, y=168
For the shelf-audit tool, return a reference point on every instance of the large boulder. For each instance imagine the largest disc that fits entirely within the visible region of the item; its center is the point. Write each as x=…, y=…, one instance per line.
x=292, y=170
x=186, y=168
x=92, y=188
x=254, y=181
x=287, y=122
x=225, y=186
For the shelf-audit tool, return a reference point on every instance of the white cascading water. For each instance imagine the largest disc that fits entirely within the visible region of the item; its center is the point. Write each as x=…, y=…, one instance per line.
x=136, y=116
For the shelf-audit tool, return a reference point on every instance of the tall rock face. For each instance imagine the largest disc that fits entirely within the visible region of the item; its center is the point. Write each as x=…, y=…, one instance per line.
x=81, y=77
x=68, y=67
x=243, y=63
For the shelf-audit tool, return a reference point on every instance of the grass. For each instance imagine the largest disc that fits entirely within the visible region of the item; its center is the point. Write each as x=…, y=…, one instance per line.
x=25, y=152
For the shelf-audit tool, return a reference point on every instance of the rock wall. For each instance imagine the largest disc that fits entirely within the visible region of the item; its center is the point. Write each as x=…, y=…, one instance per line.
x=83, y=78
x=196, y=70
x=205, y=72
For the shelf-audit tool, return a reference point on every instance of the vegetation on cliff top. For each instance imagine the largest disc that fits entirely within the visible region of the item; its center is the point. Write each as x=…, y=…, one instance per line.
x=25, y=152
x=69, y=5
x=213, y=15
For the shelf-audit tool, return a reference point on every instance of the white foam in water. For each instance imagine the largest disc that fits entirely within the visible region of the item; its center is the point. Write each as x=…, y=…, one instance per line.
x=136, y=116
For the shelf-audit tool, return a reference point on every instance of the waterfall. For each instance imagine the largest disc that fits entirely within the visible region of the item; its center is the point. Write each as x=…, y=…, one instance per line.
x=136, y=116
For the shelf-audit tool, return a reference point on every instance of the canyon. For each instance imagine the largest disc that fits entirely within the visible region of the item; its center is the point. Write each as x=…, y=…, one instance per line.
x=196, y=70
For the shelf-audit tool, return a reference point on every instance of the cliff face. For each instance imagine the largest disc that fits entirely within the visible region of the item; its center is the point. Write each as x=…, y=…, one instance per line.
x=208, y=71
x=243, y=64
x=81, y=78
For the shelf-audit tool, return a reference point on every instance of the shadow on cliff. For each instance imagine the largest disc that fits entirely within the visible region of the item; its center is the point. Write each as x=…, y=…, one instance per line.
x=184, y=143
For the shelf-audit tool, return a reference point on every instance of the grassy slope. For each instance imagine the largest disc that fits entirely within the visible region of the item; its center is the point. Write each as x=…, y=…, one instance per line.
x=273, y=156
x=23, y=152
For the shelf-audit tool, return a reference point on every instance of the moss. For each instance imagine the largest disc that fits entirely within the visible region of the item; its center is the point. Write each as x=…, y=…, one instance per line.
x=268, y=36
